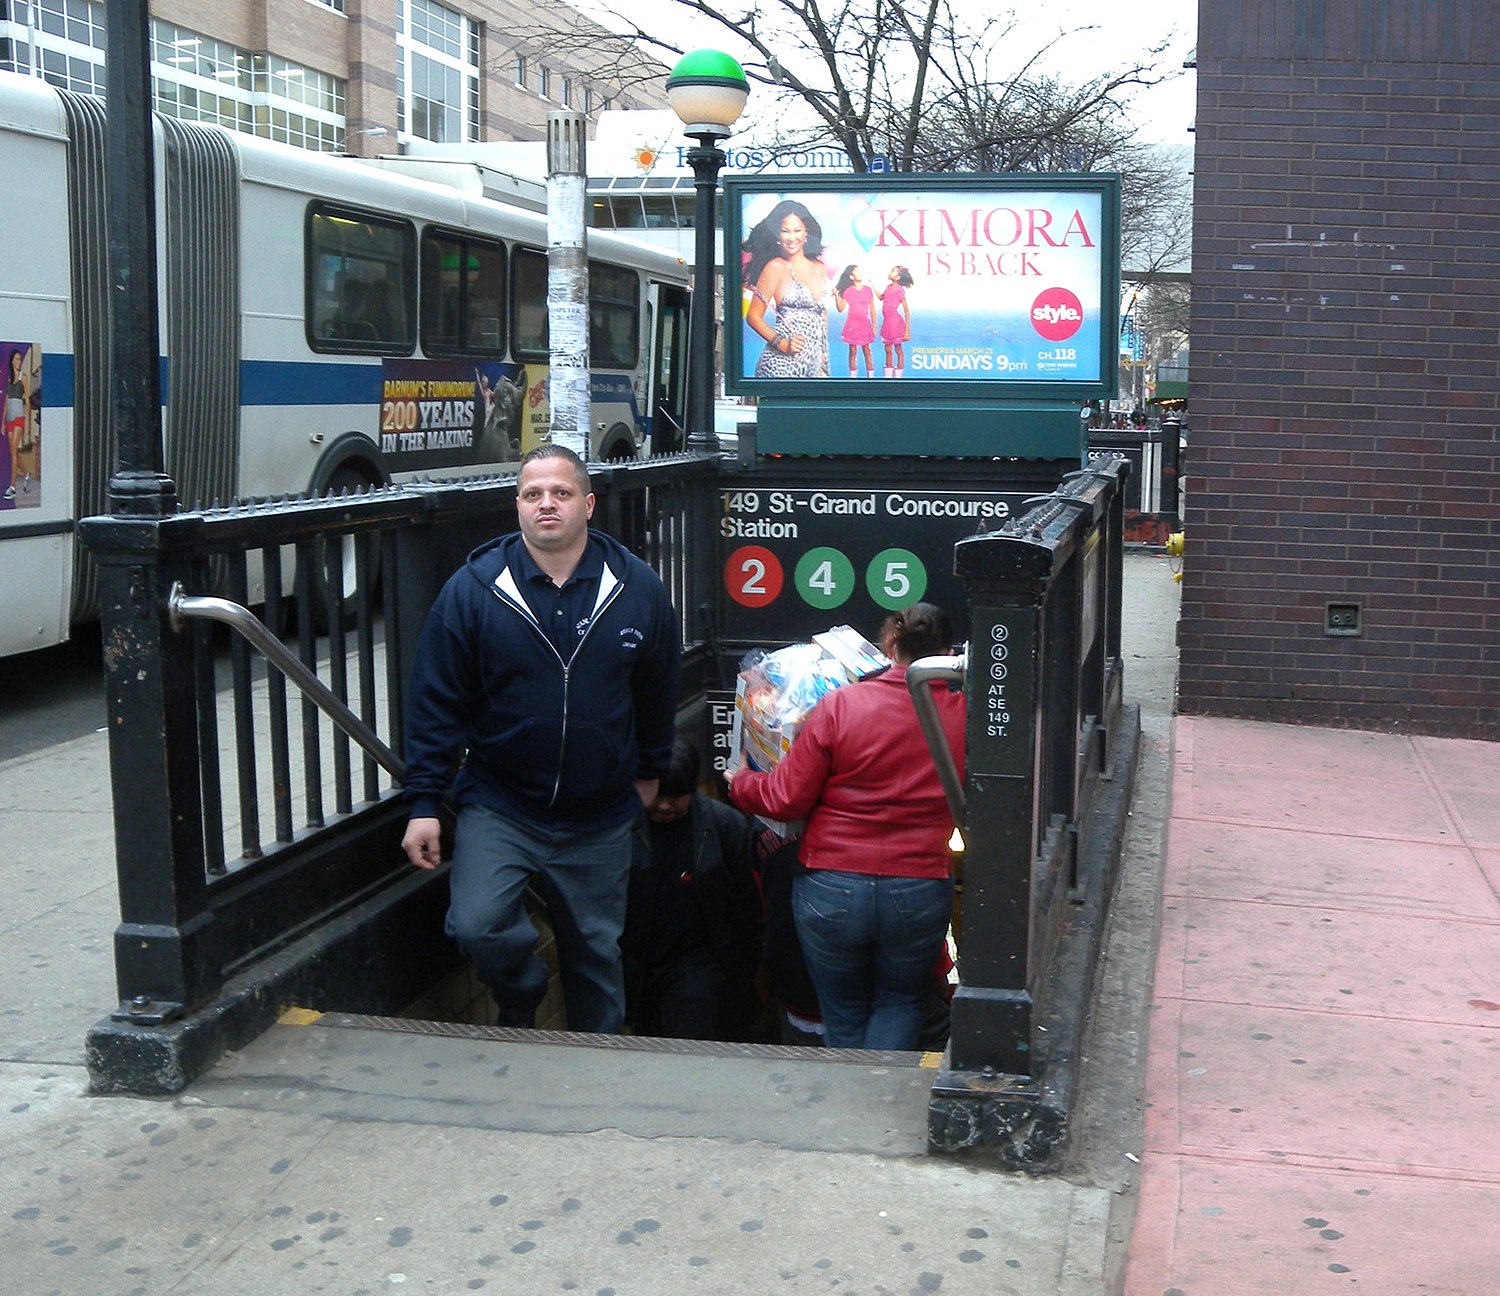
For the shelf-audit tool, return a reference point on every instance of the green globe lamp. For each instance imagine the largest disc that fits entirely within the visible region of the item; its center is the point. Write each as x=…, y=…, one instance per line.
x=707, y=90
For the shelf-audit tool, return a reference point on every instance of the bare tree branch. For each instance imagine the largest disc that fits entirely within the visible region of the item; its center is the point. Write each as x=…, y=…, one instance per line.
x=909, y=81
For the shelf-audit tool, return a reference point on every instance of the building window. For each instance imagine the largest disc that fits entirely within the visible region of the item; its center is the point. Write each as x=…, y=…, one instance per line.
x=567, y=93
x=435, y=95
x=80, y=22
x=544, y=82
x=201, y=79
x=62, y=41
x=193, y=77
x=438, y=72
x=521, y=70
x=588, y=99
x=474, y=132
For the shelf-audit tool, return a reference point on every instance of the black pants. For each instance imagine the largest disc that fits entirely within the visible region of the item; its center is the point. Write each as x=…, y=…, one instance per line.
x=683, y=999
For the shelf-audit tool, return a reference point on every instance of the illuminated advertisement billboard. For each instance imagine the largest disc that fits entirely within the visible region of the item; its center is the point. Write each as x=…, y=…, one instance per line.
x=997, y=286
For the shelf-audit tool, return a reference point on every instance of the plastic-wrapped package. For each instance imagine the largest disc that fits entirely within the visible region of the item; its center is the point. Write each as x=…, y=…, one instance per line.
x=775, y=693
x=777, y=690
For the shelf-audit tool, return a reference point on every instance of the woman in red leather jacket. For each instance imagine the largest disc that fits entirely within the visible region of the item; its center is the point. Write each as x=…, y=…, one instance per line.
x=873, y=903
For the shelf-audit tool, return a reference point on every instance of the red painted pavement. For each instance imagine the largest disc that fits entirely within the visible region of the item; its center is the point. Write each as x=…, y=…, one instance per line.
x=1323, y=1077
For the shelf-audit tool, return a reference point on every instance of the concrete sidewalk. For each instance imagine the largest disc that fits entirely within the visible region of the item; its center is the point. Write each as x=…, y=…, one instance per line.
x=370, y=1164
x=1323, y=1090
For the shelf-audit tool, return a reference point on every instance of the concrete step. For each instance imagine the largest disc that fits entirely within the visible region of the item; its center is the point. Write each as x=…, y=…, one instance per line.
x=349, y=1067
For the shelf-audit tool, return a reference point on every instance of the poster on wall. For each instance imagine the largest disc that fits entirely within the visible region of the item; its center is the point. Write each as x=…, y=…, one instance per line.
x=997, y=284
x=21, y=437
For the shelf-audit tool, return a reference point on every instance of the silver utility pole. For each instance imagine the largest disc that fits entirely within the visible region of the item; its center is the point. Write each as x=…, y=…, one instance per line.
x=567, y=283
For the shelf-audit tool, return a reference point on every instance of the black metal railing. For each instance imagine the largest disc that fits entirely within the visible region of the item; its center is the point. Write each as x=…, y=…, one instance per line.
x=1044, y=686
x=257, y=806
x=1051, y=751
x=255, y=785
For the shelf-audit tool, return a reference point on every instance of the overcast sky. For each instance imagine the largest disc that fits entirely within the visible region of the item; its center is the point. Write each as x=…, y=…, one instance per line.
x=1124, y=31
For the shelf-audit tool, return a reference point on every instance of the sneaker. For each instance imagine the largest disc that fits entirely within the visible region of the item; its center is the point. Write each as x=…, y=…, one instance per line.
x=10, y=492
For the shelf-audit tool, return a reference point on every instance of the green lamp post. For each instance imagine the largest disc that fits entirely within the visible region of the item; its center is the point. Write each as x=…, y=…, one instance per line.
x=707, y=90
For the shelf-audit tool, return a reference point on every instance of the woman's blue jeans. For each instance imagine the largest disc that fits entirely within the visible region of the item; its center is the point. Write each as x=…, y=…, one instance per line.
x=871, y=944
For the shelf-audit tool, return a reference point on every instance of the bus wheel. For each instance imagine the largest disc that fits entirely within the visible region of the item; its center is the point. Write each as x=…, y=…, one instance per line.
x=619, y=446
x=336, y=569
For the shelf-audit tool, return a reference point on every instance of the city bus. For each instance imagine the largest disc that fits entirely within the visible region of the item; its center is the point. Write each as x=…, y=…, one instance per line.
x=326, y=323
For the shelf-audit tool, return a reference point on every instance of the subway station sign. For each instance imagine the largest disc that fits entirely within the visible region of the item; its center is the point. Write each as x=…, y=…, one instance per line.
x=796, y=560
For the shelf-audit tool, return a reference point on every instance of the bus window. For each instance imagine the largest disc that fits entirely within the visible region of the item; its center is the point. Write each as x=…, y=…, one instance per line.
x=528, y=304
x=463, y=295
x=669, y=370
x=361, y=278
x=614, y=317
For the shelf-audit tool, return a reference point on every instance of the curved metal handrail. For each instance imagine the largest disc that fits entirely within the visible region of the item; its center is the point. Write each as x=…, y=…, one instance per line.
x=184, y=606
x=921, y=673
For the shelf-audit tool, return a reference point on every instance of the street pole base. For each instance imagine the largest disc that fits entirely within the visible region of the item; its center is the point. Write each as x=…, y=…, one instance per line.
x=1024, y=1121
x=147, y=1049
x=1007, y=1116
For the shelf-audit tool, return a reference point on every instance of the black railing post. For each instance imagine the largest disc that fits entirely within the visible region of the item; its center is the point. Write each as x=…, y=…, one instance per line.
x=704, y=512
x=1044, y=816
x=161, y=967
x=163, y=962
x=1111, y=596
x=1062, y=700
x=1171, y=474
x=992, y=1007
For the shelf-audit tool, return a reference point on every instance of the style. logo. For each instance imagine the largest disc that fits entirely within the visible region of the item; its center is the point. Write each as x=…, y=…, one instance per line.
x=1057, y=314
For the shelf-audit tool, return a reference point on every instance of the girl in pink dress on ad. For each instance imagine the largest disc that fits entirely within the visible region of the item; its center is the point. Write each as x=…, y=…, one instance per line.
x=854, y=294
x=895, y=321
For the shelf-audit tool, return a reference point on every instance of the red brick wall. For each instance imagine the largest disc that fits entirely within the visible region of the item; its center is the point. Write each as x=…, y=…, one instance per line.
x=1344, y=404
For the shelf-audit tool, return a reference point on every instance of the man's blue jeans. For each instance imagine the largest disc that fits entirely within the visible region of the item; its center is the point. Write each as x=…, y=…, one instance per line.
x=581, y=876
x=871, y=944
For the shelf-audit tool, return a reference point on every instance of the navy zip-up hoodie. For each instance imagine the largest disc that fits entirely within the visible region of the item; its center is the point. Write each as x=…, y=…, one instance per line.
x=541, y=740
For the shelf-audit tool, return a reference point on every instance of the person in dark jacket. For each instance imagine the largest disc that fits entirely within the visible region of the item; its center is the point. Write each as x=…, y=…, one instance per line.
x=693, y=927
x=548, y=666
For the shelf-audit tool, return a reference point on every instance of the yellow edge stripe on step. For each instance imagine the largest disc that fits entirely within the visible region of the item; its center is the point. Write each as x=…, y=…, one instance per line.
x=299, y=1017
x=931, y=1061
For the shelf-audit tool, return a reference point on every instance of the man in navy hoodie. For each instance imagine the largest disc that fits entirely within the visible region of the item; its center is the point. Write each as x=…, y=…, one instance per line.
x=549, y=667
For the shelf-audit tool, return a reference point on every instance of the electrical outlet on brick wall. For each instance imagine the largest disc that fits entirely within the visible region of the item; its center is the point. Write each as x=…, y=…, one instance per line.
x=1341, y=619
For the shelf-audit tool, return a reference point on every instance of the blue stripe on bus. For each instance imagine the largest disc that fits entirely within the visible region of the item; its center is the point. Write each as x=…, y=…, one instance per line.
x=59, y=373
x=262, y=382
x=57, y=380
x=296, y=382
